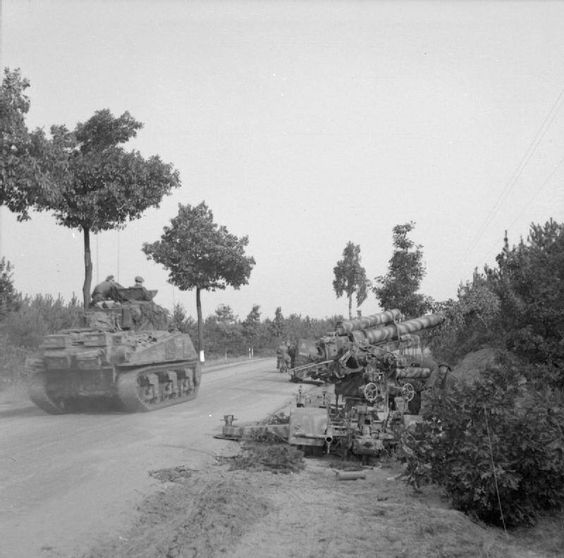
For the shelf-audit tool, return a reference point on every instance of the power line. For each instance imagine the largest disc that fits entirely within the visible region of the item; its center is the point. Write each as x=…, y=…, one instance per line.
x=535, y=195
x=549, y=118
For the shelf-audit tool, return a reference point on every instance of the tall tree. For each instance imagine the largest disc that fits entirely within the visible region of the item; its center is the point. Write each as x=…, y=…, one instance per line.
x=529, y=281
x=100, y=186
x=200, y=254
x=350, y=276
x=251, y=325
x=277, y=325
x=21, y=177
x=398, y=288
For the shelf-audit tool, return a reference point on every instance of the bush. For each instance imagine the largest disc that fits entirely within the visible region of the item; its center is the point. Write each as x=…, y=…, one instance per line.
x=495, y=447
x=39, y=316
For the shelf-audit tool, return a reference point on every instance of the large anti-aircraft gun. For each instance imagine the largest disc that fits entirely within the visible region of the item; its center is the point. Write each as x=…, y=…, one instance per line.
x=377, y=367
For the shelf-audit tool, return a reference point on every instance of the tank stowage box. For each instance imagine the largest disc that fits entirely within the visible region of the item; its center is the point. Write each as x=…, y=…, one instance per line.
x=124, y=357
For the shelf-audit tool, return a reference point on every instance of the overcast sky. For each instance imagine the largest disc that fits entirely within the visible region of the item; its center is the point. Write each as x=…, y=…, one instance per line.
x=304, y=125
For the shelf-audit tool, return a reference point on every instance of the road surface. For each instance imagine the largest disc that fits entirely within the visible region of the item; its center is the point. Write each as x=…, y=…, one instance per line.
x=68, y=481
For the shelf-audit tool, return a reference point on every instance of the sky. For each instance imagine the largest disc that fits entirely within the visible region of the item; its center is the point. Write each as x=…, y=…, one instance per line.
x=303, y=125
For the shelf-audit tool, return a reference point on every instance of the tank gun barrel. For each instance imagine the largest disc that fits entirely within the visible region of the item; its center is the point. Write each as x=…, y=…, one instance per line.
x=348, y=326
x=390, y=332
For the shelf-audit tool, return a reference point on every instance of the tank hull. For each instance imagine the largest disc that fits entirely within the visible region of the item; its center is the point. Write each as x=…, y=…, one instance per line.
x=89, y=369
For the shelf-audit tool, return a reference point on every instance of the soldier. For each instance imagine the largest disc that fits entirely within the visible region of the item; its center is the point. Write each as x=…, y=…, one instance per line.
x=292, y=351
x=144, y=293
x=106, y=290
x=441, y=382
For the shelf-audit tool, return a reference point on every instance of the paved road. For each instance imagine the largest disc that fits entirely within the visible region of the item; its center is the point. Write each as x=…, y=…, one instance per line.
x=66, y=481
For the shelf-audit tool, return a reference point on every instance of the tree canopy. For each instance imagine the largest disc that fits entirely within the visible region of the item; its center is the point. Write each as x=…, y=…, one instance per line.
x=350, y=276
x=200, y=254
x=99, y=186
x=398, y=288
x=21, y=178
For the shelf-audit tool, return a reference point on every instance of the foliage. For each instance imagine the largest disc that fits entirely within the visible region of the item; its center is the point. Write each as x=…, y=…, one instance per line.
x=21, y=177
x=9, y=299
x=251, y=326
x=529, y=281
x=40, y=316
x=273, y=457
x=398, y=288
x=224, y=332
x=181, y=321
x=24, y=327
x=350, y=276
x=517, y=305
x=495, y=447
x=98, y=185
x=471, y=321
x=200, y=254
x=12, y=362
x=277, y=326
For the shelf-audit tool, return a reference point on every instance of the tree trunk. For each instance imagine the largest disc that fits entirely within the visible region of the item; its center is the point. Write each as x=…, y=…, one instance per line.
x=350, y=307
x=87, y=268
x=200, y=325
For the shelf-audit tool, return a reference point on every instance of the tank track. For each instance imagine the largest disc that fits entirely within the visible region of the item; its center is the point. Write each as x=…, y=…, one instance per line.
x=39, y=395
x=154, y=387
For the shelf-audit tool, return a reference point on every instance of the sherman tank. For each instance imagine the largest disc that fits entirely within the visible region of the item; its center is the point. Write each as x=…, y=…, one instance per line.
x=124, y=358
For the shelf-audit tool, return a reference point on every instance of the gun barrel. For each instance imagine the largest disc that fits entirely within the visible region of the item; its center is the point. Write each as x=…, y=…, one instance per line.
x=389, y=332
x=348, y=326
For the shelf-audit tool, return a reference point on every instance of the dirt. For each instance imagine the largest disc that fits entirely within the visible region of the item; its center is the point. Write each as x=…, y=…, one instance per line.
x=247, y=513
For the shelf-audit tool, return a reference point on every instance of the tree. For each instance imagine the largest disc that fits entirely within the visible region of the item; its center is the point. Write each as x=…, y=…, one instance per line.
x=21, y=179
x=199, y=254
x=277, y=325
x=529, y=281
x=350, y=276
x=180, y=319
x=98, y=185
x=8, y=295
x=398, y=288
x=251, y=326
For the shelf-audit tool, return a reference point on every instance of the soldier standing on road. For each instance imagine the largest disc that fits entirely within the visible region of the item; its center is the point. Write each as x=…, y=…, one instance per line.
x=292, y=350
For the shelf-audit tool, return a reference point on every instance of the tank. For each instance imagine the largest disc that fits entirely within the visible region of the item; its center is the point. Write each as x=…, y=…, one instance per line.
x=125, y=358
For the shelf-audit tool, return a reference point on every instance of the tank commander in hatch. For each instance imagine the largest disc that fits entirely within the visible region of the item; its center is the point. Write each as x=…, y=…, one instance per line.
x=144, y=293
x=106, y=290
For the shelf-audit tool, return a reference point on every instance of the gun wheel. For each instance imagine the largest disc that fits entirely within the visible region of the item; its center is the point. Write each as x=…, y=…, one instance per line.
x=371, y=391
x=407, y=392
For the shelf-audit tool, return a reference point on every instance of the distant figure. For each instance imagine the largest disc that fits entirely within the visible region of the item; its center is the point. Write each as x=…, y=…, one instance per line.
x=292, y=351
x=440, y=383
x=144, y=293
x=106, y=290
x=282, y=357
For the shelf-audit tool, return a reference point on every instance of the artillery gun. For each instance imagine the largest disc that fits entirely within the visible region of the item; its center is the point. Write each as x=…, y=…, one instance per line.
x=377, y=368
x=125, y=358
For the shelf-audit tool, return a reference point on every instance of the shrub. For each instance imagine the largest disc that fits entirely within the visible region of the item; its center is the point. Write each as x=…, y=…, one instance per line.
x=39, y=316
x=495, y=447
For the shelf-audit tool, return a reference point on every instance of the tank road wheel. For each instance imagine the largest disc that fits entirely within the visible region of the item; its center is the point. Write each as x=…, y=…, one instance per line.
x=37, y=391
x=407, y=392
x=155, y=387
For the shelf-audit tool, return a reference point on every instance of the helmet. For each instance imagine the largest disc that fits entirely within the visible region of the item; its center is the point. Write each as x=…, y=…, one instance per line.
x=139, y=279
